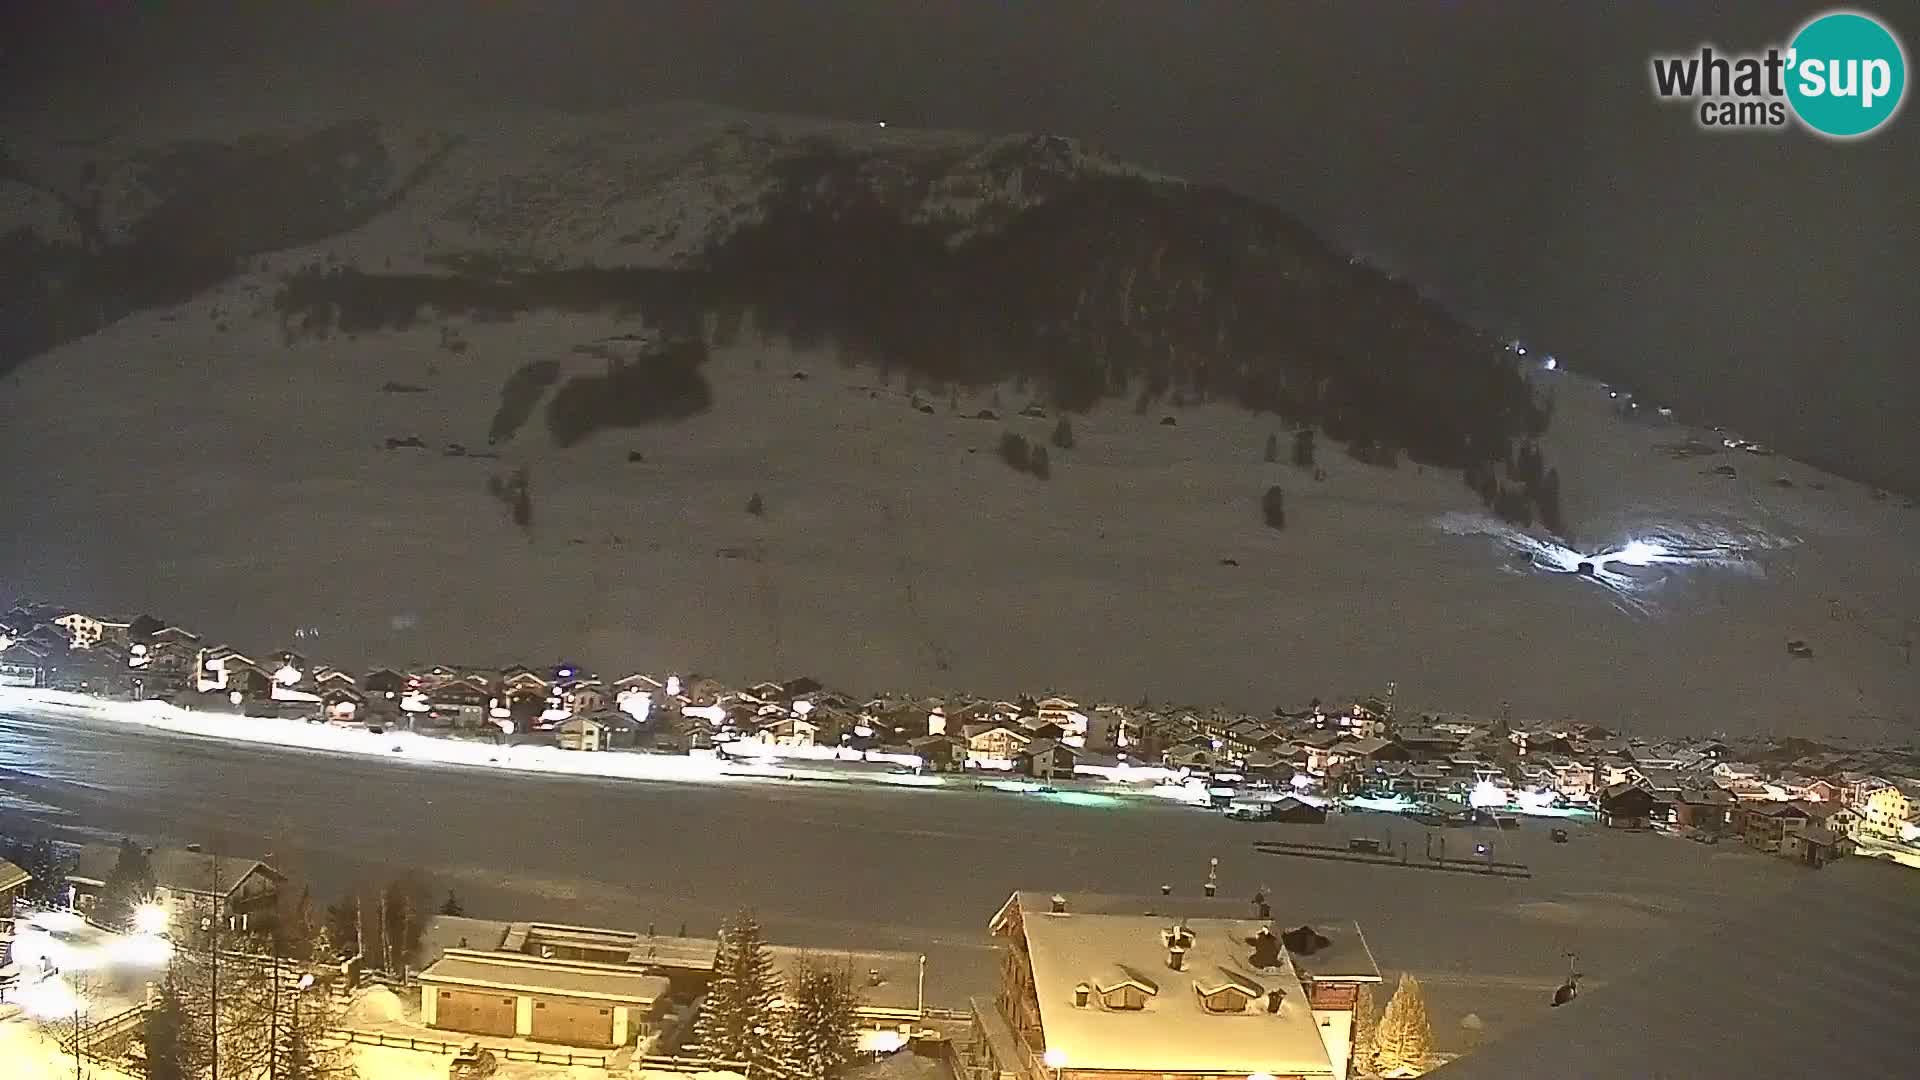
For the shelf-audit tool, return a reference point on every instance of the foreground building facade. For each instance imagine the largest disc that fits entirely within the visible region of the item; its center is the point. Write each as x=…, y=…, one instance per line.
x=1090, y=996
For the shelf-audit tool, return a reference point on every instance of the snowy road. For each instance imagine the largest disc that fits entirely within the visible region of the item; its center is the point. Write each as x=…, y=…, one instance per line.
x=831, y=865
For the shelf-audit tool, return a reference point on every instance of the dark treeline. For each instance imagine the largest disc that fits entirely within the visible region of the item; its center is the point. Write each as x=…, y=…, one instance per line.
x=1115, y=287
x=215, y=204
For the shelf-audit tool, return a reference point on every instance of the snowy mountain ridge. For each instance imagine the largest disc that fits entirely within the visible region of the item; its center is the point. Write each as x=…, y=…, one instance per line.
x=282, y=381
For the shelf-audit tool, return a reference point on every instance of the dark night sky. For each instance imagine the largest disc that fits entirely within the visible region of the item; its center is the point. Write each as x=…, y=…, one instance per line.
x=1507, y=154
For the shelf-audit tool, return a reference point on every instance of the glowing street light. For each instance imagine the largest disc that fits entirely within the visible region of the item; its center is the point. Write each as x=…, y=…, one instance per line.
x=149, y=918
x=1056, y=1060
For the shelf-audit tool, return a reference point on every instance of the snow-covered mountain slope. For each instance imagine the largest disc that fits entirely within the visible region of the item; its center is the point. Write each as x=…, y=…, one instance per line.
x=222, y=460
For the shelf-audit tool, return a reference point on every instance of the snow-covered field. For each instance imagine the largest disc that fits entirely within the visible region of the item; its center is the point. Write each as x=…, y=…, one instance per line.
x=237, y=484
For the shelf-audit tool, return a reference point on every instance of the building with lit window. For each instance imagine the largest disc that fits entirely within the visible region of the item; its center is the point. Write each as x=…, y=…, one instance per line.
x=1086, y=995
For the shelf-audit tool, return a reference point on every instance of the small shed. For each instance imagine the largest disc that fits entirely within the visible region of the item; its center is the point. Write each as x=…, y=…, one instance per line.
x=1292, y=811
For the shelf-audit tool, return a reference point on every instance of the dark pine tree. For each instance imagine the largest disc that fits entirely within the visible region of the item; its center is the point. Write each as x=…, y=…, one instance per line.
x=756, y=506
x=128, y=885
x=1063, y=434
x=1302, y=448
x=451, y=906
x=1013, y=450
x=819, y=1024
x=1037, y=463
x=737, y=1021
x=168, y=1032
x=1273, y=507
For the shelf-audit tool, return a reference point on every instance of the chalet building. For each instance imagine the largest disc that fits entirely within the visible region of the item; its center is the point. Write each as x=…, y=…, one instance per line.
x=165, y=662
x=995, y=744
x=85, y=631
x=1764, y=825
x=571, y=1002
x=940, y=753
x=1814, y=845
x=1706, y=810
x=25, y=664
x=187, y=883
x=101, y=671
x=1626, y=806
x=1086, y=996
x=1045, y=759
x=1189, y=756
x=588, y=986
x=13, y=882
x=787, y=731
x=383, y=682
x=1292, y=811
x=1892, y=810
x=462, y=702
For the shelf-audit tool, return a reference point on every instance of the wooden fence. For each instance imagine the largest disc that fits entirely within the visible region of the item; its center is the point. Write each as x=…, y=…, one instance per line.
x=669, y=1063
x=437, y=1046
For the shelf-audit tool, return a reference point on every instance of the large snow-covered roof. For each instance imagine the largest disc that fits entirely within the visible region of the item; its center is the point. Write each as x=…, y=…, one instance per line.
x=1173, y=1031
x=173, y=868
x=532, y=974
x=1821, y=981
x=1344, y=956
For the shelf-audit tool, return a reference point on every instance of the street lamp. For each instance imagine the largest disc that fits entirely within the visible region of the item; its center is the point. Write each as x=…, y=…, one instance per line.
x=149, y=918
x=1056, y=1060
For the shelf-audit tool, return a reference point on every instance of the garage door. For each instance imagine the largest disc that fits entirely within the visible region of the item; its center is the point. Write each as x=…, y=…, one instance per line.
x=574, y=1023
x=474, y=1012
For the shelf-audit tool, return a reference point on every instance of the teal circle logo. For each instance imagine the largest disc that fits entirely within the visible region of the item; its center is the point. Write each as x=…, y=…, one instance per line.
x=1847, y=74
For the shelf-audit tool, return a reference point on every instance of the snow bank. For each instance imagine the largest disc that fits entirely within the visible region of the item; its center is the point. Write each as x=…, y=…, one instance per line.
x=376, y=1005
x=402, y=746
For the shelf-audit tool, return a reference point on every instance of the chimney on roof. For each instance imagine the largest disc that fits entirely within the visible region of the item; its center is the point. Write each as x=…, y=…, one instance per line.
x=1080, y=995
x=1059, y=906
x=1273, y=999
x=1177, y=955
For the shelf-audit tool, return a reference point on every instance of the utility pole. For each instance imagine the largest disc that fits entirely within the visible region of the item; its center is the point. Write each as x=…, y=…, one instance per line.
x=213, y=929
x=923, y=987
x=273, y=1015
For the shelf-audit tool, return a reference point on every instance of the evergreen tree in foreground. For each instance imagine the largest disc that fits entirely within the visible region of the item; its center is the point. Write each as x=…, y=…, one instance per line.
x=1063, y=434
x=168, y=1034
x=128, y=885
x=1366, y=1028
x=818, y=1025
x=736, y=1021
x=1405, y=1039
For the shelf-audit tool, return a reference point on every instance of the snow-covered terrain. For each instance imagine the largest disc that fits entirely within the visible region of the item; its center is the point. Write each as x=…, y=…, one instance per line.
x=197, y=462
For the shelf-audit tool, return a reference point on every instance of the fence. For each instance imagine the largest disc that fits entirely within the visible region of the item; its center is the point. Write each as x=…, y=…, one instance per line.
x=669, y=1063
x=103, y=1042
x=437, y=1046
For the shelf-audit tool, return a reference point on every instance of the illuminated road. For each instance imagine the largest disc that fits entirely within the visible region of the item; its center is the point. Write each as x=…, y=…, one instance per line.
x=834, y=865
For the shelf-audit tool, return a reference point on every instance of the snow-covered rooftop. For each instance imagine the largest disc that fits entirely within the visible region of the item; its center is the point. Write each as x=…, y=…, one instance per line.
x=1173, y=1031
x=536, y=975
